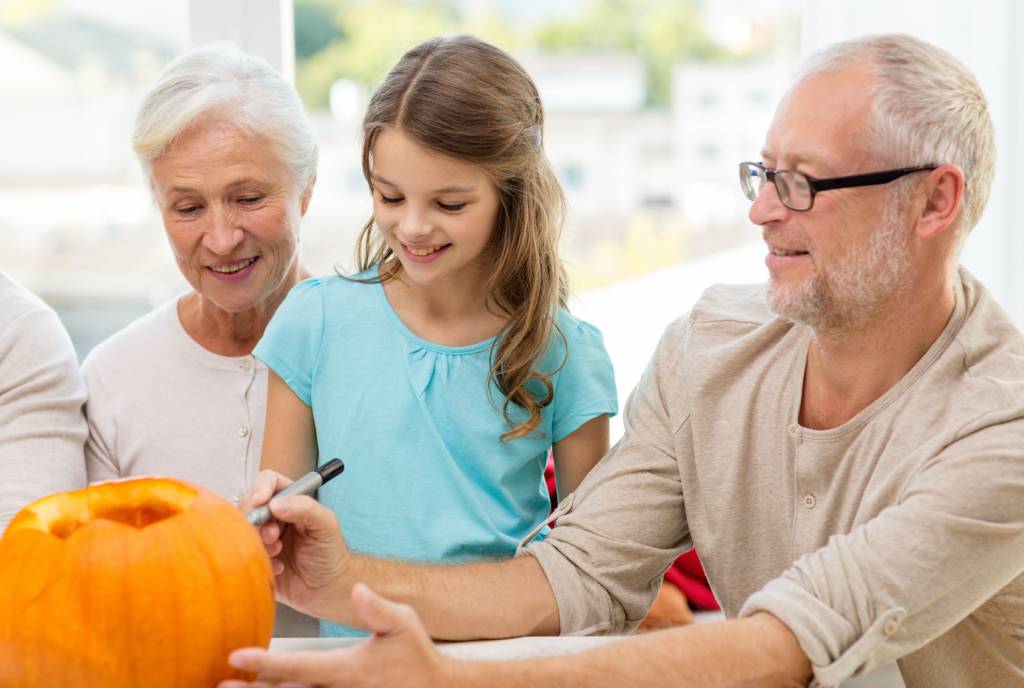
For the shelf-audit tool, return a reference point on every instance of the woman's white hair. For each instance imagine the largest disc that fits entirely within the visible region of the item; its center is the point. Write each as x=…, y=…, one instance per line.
x=927, y=109
x=219, y=83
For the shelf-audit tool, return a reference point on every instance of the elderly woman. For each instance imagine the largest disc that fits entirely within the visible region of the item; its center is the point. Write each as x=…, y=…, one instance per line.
x=231, y=161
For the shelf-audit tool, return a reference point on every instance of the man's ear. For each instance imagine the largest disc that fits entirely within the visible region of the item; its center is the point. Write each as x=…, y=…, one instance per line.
x=308, y=194
x=945, y=188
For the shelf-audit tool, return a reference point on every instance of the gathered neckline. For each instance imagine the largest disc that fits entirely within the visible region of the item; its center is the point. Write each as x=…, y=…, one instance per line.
x=404, y=330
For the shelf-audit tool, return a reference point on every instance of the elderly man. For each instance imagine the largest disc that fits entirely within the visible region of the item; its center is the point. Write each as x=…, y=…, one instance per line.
x=42, y=429
x=845, y=447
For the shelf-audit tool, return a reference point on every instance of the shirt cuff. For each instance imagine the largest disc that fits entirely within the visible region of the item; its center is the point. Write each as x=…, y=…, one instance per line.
x=829, y=640
x=580, y=611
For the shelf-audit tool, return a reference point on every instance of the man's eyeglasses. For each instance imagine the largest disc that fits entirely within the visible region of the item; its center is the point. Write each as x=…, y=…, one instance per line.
x=797, y=190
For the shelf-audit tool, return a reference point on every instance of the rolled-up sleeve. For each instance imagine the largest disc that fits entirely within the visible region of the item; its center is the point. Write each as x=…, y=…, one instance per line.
x=954, y=540
x=625, y=524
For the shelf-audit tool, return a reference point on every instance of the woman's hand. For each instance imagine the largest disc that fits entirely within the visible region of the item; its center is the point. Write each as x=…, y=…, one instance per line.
x=308, y=554
x=399, y=654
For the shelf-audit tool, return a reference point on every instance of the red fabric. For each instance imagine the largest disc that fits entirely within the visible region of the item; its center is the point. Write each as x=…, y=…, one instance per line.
x=686, y=572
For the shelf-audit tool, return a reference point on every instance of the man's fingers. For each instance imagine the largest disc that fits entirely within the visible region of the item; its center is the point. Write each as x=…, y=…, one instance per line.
x=311, y=518
x=267, y=484
x=319, y=668
x=380, y=615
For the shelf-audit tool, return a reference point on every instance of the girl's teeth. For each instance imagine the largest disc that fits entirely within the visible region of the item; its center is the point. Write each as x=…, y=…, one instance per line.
x=423, y=251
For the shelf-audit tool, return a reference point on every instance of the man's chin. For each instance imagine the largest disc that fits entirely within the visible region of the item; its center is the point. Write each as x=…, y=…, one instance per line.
x=796, y=303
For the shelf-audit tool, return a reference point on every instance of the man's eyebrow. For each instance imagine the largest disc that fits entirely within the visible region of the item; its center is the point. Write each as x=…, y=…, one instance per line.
x=793, y=160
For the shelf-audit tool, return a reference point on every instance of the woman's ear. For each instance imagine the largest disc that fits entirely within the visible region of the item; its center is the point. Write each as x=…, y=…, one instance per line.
x=943, y=205
x=308, y=194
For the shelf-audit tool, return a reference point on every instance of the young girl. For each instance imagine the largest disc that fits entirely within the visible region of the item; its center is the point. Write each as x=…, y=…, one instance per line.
x=448, y=367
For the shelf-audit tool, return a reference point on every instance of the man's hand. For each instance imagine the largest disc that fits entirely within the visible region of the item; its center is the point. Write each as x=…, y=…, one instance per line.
x=309, y=556
x=399, y=654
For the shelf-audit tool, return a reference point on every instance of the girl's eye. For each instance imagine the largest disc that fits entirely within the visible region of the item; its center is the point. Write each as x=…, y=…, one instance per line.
x=452, y=207
x=388, y=200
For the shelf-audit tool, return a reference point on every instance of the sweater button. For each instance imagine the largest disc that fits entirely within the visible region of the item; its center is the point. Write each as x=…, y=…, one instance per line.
x=810, y=501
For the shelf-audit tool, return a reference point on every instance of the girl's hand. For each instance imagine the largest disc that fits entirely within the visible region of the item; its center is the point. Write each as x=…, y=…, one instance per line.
x=399, y=654
x=308, y=554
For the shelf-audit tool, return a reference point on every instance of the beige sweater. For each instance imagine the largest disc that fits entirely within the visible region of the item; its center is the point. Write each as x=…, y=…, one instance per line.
x=42, y=430
x=159, y=403
x=899, y=535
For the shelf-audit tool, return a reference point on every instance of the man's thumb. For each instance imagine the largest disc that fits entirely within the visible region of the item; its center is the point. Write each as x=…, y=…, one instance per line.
x=380, y=615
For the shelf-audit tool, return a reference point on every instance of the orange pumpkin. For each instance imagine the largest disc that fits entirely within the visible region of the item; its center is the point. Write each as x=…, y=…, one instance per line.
x=144, y=582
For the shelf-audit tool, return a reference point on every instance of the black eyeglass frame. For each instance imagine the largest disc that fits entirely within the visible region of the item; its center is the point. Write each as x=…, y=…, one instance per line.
x=816, y=185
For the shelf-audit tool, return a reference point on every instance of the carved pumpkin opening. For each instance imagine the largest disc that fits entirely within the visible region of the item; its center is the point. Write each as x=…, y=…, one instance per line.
x=139, y=515
x=121, y=501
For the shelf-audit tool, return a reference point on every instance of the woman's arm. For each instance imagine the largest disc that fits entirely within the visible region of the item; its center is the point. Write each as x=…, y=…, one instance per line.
x=577, y=453
x=289, y=436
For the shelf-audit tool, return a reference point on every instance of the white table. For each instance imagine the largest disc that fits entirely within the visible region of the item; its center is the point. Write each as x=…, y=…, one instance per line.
x=528, y=648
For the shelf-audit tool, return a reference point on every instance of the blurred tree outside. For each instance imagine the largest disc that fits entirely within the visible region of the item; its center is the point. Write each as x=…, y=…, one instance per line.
x=361, y=39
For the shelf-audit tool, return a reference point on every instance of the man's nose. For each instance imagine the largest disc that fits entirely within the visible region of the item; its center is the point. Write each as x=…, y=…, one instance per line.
x=767, y=207
x=223, y=233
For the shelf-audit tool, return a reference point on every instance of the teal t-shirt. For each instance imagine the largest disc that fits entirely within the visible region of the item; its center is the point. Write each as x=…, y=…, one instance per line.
x=427, y=477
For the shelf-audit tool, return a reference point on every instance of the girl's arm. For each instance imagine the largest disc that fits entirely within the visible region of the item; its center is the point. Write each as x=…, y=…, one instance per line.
x=577, y=453
x=289, y=436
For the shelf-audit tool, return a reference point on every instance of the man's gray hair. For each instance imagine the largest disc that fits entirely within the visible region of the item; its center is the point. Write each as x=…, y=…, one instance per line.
x=928, y=109
x=217, y=84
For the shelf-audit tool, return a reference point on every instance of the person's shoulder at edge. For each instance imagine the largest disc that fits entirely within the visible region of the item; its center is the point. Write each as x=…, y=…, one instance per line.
x=29, y=328
x=16, y=300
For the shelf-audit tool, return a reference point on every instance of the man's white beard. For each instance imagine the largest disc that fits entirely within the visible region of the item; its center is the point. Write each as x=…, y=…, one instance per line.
x=858, y=287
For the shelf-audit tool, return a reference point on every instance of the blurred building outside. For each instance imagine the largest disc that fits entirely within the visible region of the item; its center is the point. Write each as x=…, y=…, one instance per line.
x=78, y=227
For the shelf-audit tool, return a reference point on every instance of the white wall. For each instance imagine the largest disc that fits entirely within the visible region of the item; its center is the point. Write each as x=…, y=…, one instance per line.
x=259, y=27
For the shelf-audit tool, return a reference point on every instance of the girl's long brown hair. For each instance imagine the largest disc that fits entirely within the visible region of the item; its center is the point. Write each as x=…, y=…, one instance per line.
x=469, y=100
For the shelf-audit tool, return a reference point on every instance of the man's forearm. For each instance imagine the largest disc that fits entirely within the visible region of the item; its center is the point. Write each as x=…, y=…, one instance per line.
x=460, y=602
x=748, y=653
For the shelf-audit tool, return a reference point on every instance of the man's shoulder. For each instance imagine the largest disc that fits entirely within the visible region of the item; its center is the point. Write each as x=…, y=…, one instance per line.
x=735, y=303
x=724, y=320
x=990, y=347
